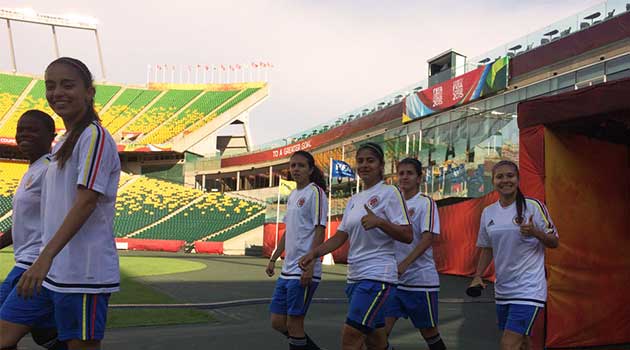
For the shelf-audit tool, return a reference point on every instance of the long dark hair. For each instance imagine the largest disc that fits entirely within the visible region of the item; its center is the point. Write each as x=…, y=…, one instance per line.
x=521, y=204
x=377, y=150
x=65, y=151
x=317, y=176
x=417, y=165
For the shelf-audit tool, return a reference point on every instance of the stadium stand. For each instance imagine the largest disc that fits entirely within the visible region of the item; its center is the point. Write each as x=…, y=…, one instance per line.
x=5, y=224
x=215, y=212
x=233, y=102
x=10, y=175
x=127, y=106
x=11, y=87
x=162, y=110
x=36, y=99
x=146, y=201
x=197, y=111
x=238, y=229
x=104, y=94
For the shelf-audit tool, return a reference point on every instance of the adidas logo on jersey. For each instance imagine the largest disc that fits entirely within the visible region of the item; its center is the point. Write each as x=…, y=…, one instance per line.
x=491, y=223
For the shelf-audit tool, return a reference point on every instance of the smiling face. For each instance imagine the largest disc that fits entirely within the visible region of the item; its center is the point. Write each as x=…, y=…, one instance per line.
x=300, y=170
x=505, y=180
x=369, y=166
x=66, y=92
x=33, y=137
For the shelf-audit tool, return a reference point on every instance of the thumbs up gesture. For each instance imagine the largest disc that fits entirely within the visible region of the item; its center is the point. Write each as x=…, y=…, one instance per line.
x=370, y=220
x=527, y=228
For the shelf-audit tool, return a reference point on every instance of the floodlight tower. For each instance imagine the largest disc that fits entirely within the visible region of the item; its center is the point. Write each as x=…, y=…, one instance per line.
x=28, y=15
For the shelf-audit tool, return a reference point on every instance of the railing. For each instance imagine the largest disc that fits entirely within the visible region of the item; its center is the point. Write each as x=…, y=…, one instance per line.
x=567, y=26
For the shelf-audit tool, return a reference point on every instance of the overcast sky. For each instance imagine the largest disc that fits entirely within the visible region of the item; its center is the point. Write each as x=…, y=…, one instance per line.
x=329, y=56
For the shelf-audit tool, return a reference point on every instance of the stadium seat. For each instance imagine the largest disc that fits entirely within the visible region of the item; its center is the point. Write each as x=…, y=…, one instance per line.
x=11, y=87
x=104, y=93
x=238, y=229
x=127, y=106
x=36, y=99
x=162, y=110
x=148, y=200
x=10, y=175
x=214, y=213
x=201, y=108
x=233, y=102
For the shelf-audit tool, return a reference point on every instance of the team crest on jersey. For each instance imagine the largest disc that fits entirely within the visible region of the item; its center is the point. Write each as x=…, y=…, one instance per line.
x=411, y=211
x=372, y=202
x=300, y=202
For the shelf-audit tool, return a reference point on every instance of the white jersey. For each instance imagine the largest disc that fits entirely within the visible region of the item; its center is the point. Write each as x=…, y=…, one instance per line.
x=306, y=209
x=519, y=261
x=372, y=252
x=26, y=230
x=89, y=261
x=421, y=275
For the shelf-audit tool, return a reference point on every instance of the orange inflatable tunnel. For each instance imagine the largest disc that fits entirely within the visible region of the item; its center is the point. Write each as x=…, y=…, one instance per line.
x=574, y=155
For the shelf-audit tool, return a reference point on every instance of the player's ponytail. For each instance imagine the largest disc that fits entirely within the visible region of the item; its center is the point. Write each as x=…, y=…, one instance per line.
x=317, y=176
x=521, y=204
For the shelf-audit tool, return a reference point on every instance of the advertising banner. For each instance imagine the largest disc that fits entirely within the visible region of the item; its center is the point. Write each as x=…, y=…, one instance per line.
x=478, y=83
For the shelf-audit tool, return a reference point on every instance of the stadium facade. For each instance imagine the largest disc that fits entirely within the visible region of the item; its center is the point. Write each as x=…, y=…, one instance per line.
x=459, y=144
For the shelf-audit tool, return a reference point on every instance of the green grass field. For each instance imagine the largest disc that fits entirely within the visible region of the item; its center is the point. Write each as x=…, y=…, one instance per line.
x=134, y=291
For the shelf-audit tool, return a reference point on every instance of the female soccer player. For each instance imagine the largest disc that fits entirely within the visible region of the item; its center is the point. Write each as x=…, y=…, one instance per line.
x=305, y=223
x=515, y=231
x=34, y=135
x=416, y=295
x=78, y=267
x=373, y=220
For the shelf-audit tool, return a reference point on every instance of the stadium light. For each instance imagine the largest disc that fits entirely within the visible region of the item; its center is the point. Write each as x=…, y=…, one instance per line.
x=29, y=15
x=73, y=21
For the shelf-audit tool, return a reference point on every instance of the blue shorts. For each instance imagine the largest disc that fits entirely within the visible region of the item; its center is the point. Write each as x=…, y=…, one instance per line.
x=77, y=316
x=12, y=279
x=366, y=299
x=517, y=318
x=290, y=298
x=420, y=306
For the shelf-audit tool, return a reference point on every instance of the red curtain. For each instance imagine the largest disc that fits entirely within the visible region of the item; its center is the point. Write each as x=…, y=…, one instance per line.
x=455, y=250
x=588, y=189
x=269, y=240
x=532, y=161
x=209, y=247
x=152, y=244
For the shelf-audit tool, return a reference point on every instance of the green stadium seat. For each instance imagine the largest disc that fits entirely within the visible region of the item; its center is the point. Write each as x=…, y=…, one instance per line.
x=127, y=106
x=11, y=87
x=171, y=102
x=214, y=213
x=201, y=108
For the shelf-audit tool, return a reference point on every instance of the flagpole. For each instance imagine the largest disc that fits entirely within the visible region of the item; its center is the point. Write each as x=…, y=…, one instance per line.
x=328, y=258
x=277, y=220
x=329, y=195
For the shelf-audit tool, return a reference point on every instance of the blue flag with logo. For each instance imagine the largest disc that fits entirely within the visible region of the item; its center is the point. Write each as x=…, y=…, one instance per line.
x=341, y=169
